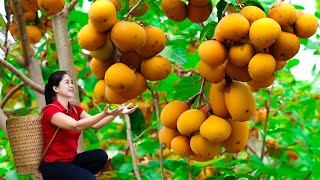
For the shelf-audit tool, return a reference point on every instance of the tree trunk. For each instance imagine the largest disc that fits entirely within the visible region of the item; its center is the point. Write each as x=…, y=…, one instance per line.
x=3, y=119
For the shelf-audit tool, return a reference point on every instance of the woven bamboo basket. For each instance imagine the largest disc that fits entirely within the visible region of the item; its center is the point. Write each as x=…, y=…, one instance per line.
x=26, y=141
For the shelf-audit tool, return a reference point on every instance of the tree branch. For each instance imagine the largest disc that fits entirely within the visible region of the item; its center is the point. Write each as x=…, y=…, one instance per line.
x=189, y=171
x=3, y=119
x=22, y=31
x=156, y=105
x=201, y=93
x=68, y=8
x=132, y=9
x=8, y=96
x=133, y=155
x=28, y=82
x=141, y=134
x=268, y=105
x=8, y=15
x=16, y=55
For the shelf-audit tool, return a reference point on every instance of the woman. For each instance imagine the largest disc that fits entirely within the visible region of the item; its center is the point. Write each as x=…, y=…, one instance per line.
x=61, y=161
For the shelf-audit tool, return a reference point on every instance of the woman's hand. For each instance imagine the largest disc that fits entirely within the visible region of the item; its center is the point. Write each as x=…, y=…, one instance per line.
x=114, y=112
x=129, y=108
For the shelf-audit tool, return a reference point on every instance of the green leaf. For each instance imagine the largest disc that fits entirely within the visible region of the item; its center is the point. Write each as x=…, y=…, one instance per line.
x=151, y=174
x=313, y=71
x=123, y=10
x=292, y=63
x=89, y=84
x=208, y=31
x=137, y=122
x=175, y=53
x=78, y=17
x=316, y=79
x=155, y=7
x=3, y=172
x=3, y=24
x=254, y=3
x=298, y=7
x=147, y=147
x=221, y=6
x=187, y=87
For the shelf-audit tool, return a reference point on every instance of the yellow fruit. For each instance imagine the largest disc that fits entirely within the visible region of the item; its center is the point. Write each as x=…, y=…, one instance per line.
x=34, y=34
x=29, y=16
x=199, y=158
x=285, y=47
x=16, y=94
x=212, y=52
x=105, y=52
x=199, y=3
x=217, y=100
x=139, y=87
x=262, y=84
x=51, y=7
x=190, y=121
x=156, y=68
x=99, y=68
x=233, y=27
x=260, y=115
x=213, y=74
x=120, y=77
x=156, y=41
x=166, y=135
x=241, y=54
x=215, y=129
x=237, y=73
x=252, y=13
x=140, y=10
x=292, y=155
x=116, y=3
x=171, y=112
x=305, y=25
x=199, y=14
x=240, y=102
x=264, y=32
x=99, y=91
x=132, y=59
x=90, y=39
x=30, y=5
x=84, y=106
x=176, y=10
x=238, y=137
x=181, y=146
x=284, y=13
x=261, y=66
x=280, y=65
x=203, y=147
x=13, y=28
x=128, y=35
x=103, y=15
x=114, y=97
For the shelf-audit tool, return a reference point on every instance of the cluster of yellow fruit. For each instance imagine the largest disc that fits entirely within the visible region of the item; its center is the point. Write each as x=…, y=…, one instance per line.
x=196, y=11
x=124, y=54
x=30, y=8
x=192, y=132
x=250, y=47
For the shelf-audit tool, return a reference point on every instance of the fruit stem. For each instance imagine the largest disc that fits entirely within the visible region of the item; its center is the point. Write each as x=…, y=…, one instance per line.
x=201, y=93
x=189, y=171
x=192, y=99
x=132, y=9
x=268, y=104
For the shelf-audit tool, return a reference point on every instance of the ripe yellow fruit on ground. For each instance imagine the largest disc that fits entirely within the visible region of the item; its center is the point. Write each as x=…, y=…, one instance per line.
x=238, y=137
x=199, y=14
x=203, y=147
x=132, y=59
x=171, y=112
x=156, y=68
x=233, y=27
x=262, y=84
x=237, y=73
x=99, y=68
x=212, y=52
x=261, y=66
x=51, y=7
x=264, y=32
x=34, y=34
x=252, y=13
x=240, y=101
x=284, y=13
x=114, y=97
x=190, y=121
x=166, y=135
x=305, y=25
x=138, y=88
x=181, y=146
x=99, y=91
x=285, y=47
x=241, y=54
x=119, y=77
x=90, y=39
x=176, y=10
x=105, y=52
x=217, y=100
x=215, y=129
x=103, y=15
x=156, y=41
x=213, y=74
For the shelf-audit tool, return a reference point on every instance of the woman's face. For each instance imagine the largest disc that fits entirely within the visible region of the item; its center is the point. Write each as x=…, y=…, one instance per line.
x=66, y=87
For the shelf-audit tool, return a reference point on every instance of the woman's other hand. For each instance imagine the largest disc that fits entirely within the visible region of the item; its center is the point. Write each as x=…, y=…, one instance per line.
x=129, y=108
x=114, y=112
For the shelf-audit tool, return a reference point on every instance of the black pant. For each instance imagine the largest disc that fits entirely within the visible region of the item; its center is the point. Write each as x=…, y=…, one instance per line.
x=83, y=167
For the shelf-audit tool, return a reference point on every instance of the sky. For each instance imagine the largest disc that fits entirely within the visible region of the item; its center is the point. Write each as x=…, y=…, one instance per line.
x=306, y=57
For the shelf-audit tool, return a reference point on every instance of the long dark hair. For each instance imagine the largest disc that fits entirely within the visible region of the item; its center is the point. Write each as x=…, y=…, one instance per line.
x=54, y=80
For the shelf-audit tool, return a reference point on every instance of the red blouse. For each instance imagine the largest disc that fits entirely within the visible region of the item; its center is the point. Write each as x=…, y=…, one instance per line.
x=65, y=144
